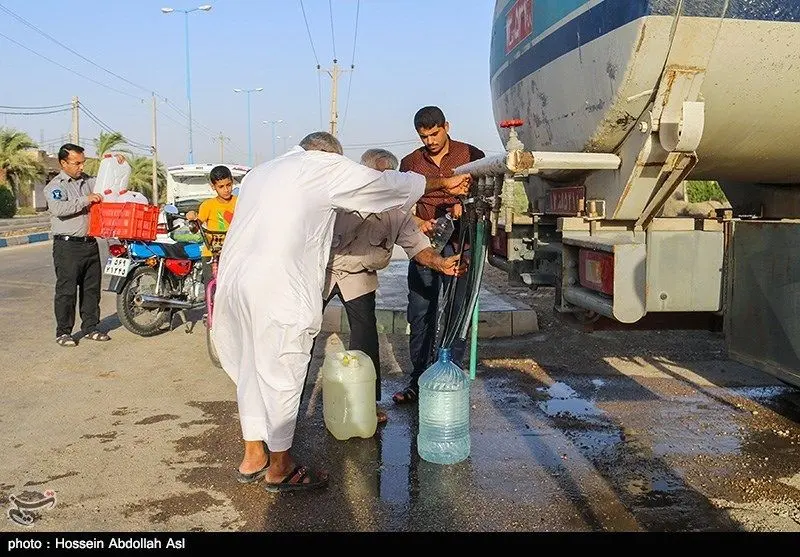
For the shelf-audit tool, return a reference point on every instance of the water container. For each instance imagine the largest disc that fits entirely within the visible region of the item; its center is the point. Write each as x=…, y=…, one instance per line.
x=442, y=231
x=129, y=196
x=443, y=412
x=348, y=394
x=112, y=178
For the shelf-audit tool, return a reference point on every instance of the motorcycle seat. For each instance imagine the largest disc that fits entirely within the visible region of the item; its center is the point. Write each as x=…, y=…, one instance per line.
x=178, y=250
x=181, y=250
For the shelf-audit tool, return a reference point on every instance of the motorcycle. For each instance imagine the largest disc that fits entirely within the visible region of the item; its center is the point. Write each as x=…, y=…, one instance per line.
x=155, y=280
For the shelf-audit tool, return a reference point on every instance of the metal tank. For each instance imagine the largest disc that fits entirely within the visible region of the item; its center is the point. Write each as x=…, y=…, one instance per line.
x=583, y=74
x=609, y=106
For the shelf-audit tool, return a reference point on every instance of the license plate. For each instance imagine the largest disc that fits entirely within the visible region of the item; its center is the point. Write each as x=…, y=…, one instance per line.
x=566, y=201
x=117, y=266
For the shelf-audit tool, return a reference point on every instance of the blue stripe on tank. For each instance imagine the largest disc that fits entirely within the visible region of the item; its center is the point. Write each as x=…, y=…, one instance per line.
x=604, y=18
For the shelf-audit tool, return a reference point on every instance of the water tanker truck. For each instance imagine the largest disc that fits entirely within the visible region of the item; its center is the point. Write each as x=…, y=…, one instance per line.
x=608, y=106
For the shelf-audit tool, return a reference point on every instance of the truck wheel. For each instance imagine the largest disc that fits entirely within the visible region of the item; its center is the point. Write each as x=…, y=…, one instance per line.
x=212, y=351
x=587, y=317
x=141, y=321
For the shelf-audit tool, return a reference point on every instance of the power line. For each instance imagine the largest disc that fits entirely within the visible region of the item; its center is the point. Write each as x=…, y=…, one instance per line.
x=67, y=105
x=319, y=83
x=333, y=36
x=69, y=69
x=352, y=67
x=308, y=29
x=235, y=147
x=35, y=113
x=82, y=57
x=106, y=127
x=62, y=45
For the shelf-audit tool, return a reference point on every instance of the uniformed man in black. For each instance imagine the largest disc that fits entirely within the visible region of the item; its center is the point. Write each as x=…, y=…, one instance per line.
x=75, y=255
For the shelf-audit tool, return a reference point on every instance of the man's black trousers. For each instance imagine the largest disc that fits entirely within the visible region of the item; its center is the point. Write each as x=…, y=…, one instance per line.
x=78, y=277
x=425, y=287
x=363, y=329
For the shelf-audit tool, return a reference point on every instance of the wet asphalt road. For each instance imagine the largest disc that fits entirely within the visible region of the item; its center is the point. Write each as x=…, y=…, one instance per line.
x=612, y=432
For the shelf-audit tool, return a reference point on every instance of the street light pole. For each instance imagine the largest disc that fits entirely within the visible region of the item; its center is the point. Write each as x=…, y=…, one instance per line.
x=188, y=86
x=249, y=132
x=273, y=123
x=186, y=12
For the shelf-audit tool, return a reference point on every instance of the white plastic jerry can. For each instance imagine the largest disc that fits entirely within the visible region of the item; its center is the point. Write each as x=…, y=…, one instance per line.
x=348, y=394
x=112, y=178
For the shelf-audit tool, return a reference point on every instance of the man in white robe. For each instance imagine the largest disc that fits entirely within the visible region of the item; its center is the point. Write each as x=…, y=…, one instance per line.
x=268, y=303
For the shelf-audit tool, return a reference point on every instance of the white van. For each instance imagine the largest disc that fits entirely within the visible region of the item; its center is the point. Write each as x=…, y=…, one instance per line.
x=188, y=184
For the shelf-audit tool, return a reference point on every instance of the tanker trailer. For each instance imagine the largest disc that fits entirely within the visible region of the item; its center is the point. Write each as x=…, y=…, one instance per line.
x=609, y=106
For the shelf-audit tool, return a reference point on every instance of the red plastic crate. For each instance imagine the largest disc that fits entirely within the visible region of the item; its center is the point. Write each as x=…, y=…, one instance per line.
x=126, y=221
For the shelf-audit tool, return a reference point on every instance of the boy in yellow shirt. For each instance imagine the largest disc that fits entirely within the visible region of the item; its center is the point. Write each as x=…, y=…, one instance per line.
x=215, y=214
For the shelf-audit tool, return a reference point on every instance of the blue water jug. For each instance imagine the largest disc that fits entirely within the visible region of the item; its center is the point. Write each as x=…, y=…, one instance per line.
x=443, y=412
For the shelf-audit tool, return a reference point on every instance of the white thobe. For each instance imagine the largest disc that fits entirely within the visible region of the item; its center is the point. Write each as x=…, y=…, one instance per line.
x=268, y=303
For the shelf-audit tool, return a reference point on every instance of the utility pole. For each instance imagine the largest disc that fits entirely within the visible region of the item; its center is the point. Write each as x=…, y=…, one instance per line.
x=334, y=73
x=222, y=139
x=74, y=134
x=155, y=154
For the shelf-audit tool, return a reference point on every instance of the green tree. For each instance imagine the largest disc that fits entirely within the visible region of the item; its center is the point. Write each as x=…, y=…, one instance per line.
x=20, y=161
x=110, y=141
x=141, y=179
x=704, y=190
x=106, y=142
x=8, y=205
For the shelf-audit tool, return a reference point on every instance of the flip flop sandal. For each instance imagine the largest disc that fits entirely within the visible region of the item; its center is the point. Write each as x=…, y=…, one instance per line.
x=66, y=340
x=299, y=474
x=382, y=417
x=98, y=335
x=406, y=396
x=253, y=476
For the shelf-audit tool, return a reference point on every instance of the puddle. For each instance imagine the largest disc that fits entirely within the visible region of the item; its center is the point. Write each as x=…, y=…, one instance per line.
x=762, y=393
x=564, y=402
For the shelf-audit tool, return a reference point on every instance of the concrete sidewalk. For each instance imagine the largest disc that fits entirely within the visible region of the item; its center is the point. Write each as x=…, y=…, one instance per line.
x=25, y=239
x=499, y=316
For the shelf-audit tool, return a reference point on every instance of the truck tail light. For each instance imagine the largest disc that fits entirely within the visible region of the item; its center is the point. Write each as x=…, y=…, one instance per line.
x=597, y=270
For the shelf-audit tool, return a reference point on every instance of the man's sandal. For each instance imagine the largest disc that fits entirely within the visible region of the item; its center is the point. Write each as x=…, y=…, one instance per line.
x=97, y=335
x=66, y=340
x=382, y=417
x=253, y=477
x=406, y=396
x=295, y=481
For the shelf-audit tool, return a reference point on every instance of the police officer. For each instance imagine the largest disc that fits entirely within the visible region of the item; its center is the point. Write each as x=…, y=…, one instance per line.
x=75, y=255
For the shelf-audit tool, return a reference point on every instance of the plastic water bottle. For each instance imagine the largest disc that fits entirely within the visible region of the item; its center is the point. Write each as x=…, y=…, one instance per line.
x=442, y=231
x=348, y=394
x=443, y=412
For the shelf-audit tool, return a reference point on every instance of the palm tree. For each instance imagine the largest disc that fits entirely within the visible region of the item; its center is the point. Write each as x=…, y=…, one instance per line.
x=110, y=141
x=20, y=160
x=106, y=142
x=141, y=179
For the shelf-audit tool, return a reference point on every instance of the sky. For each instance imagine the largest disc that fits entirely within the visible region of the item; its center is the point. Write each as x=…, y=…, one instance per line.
x=115, y=53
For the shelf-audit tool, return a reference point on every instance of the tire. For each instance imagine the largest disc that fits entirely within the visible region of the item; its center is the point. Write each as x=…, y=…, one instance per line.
x=212, y=351
x=139, y=321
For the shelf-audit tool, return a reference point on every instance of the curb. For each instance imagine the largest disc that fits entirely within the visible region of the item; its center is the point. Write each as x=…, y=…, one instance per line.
x=491, y=324
x=26, y=239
